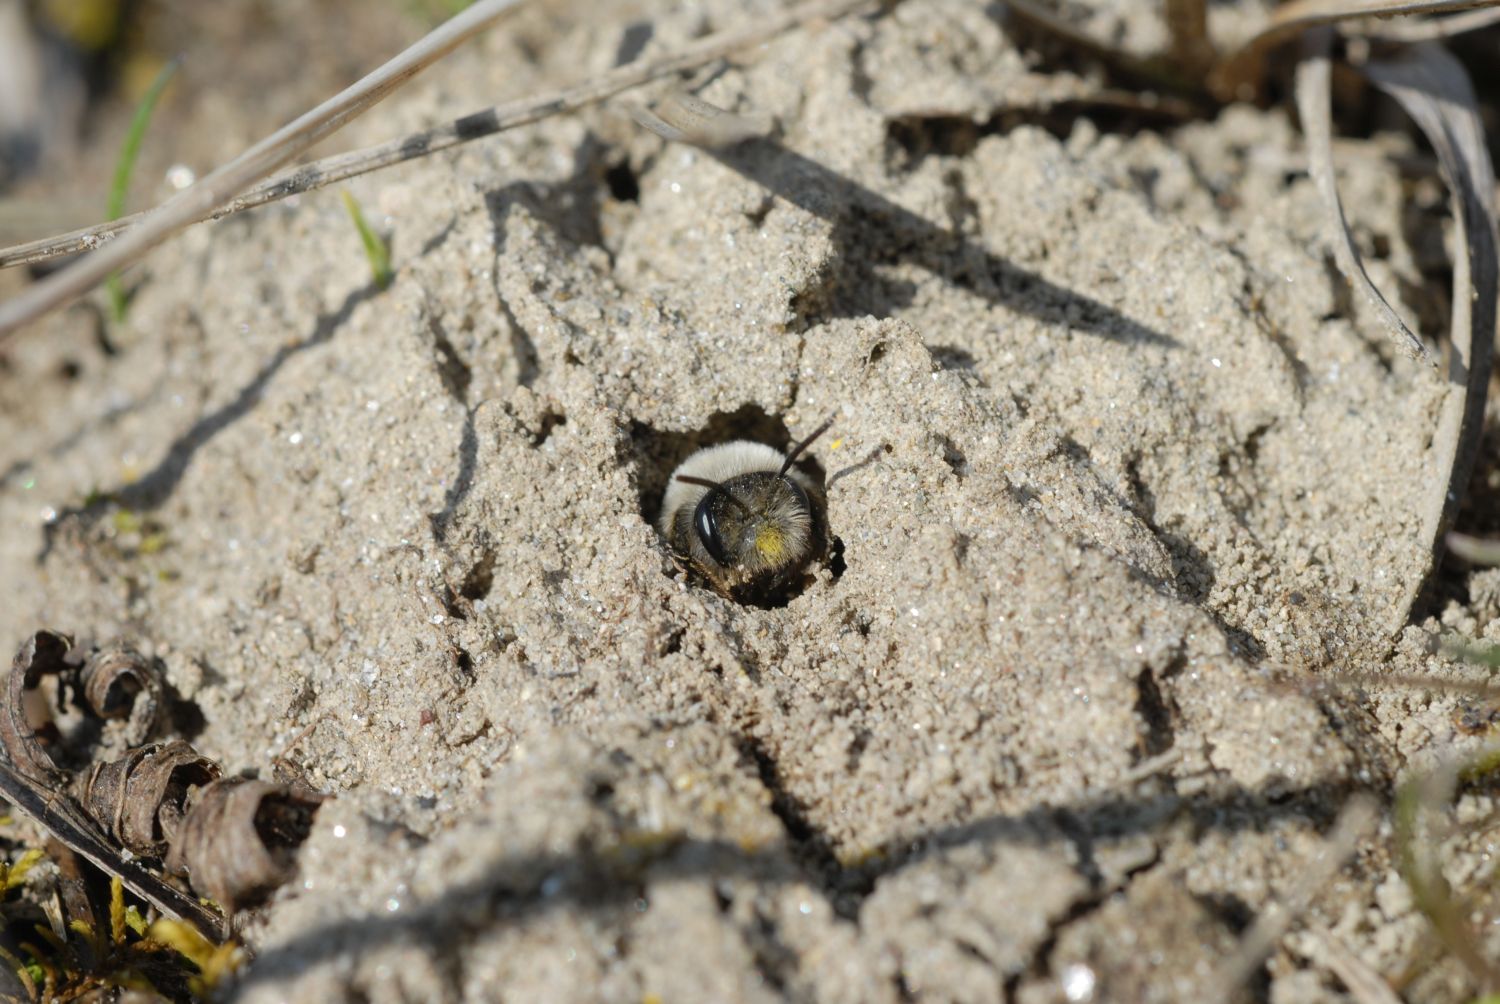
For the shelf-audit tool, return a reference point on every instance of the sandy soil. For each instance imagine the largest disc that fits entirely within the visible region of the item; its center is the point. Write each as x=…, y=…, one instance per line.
x=1119, y=466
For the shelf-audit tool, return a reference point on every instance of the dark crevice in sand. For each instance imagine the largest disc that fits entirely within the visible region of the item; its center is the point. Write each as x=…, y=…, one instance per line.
x=454, y=373
x=550, y=420
x=1155, y=713
x=1040, y=967
x=845, y=888
x=871, y=230
x=1083, y=831
x=522, y=347
x=623, y=183
x=570, y=206
x=774, y=960
x=480, y=577
x=953, y=457
x=633, y=41
x=1237, y=916
x=953, y=357
x=837, y=566
x=1192, y=568
x=463, y=481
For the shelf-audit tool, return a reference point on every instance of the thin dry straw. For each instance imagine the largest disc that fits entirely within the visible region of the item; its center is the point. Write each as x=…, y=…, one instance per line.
x=485, y=123
x=1474, y=550
x=260, y=160
x=1356, y=819
x=1314, y=109
x=1365, y=986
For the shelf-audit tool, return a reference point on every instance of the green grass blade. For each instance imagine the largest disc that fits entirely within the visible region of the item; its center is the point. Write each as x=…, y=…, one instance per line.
x=125, y=167
x=375, y=249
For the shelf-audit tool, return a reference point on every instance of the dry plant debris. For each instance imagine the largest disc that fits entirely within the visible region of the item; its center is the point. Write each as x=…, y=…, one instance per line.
x=233, y=839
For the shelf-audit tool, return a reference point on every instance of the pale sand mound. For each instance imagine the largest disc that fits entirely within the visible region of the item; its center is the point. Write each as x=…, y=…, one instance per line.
x=1113, y=450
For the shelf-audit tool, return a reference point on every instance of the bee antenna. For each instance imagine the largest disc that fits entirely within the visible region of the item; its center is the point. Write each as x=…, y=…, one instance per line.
x=796, y=451
x=714, y=486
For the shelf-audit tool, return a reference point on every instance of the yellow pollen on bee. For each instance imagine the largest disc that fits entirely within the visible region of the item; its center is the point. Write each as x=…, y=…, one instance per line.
x=770, y=543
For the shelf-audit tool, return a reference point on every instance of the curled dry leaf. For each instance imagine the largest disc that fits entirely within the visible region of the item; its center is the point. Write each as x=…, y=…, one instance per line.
x=119, y=681
x=239, y=840
x=34, y=784
x=1431, y=29
x=234, y=839
x=43, y=654
x=140, y=799
x=57, y=813
x=1433, y=88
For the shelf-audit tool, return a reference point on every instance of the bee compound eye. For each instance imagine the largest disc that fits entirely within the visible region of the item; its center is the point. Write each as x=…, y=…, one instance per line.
x=706, y=525
x=799, y=493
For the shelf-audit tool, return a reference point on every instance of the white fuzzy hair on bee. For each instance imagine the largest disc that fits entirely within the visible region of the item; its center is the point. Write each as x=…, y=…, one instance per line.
x=744, y=519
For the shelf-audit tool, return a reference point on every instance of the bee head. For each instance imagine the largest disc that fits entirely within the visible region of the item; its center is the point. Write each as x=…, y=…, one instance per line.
x=756, y=521
x=752, y=532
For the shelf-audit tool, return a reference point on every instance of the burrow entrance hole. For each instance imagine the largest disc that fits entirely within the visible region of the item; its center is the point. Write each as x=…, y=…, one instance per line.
x=659, y=452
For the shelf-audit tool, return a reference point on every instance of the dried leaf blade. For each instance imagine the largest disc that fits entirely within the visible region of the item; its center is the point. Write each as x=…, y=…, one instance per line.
x=1434, y=89
x=1314, y=106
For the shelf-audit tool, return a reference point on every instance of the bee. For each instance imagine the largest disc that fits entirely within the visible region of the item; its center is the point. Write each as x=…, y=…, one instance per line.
x=744, y=519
